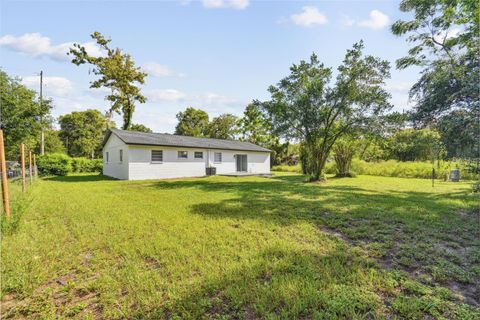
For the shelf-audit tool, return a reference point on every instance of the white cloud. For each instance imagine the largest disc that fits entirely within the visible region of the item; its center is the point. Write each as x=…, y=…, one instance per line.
x=213, y=99
x=377, y=20
x=36, y=45
x=239, y=4
x=171, y=95
x=309, y=17
x=156, y=69
x=346, y=21
x=52, y=86
x=234, y=4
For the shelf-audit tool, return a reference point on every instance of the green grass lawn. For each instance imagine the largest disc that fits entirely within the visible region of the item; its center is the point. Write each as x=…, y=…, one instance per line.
x=243, y=248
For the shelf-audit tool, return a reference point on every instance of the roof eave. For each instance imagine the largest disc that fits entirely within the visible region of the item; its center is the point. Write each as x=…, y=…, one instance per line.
x=183, y=146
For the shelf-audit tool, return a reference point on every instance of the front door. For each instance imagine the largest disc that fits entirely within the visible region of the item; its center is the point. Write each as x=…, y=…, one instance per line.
x=241, y=160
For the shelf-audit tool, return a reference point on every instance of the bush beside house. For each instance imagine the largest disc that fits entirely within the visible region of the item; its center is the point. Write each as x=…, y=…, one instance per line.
x=61, y=164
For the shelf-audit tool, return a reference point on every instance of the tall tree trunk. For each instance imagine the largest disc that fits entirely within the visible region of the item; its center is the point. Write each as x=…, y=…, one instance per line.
x=127, y=115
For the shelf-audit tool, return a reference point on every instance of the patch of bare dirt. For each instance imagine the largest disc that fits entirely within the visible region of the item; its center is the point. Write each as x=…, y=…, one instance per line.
x=468, y=293
x=68, y=298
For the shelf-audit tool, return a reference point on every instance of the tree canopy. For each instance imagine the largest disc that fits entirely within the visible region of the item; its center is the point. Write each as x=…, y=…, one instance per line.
x=255, y=127
x=445, y=35
x=305, y=106
x=416, y=145
x=22, y=117
x=82, y=132
x=225, y=126
x=117, y=73
x=192, y=122
x=140, y=127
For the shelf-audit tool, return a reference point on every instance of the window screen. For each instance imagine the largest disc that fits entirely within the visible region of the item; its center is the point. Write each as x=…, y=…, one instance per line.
x=183, y=154
x=106, y=156
x=157, y=155
x=198, y=155
x=217, y=157
x=121, y=155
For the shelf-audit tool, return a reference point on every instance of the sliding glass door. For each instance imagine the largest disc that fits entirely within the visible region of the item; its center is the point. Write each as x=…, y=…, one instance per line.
x=241, y=160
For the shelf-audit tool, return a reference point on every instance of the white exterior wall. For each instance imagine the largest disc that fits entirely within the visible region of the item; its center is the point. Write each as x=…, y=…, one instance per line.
x=257, y=162
x=137, y=165
x=114, y=168
x=142, y=168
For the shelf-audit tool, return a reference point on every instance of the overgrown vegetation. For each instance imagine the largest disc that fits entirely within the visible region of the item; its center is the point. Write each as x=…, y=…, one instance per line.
x=218, y=247
x=60, y=164
x=393, y=168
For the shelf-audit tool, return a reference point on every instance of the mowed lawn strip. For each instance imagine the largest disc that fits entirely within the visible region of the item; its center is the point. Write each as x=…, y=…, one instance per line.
x=220, y=247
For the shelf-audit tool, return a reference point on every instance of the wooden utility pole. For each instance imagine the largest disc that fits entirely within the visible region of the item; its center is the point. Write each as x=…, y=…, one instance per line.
x=3, y=167
x=22, y=161
x=30, y=169
x=35, y=172
x=42, y=137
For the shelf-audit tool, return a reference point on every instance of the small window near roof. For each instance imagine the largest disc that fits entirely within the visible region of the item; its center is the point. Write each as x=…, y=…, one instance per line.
x=198, y=155
x=157, y=156
x=121, y=155
x=106, y=157
x=182, y=154
x=217, y=157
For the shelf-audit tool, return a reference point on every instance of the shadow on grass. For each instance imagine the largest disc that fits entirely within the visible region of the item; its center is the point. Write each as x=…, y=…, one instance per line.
x=79, y=178
x=421, y=233
x=282, y=283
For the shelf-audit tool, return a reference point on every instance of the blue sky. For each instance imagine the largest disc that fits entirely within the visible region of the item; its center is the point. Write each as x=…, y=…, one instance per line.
x=216, y=55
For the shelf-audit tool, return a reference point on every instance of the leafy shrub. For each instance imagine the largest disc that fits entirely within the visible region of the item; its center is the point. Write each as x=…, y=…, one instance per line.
x=81, y=164
x=60, y=164
x=343, y=152
x=97, y=165
x=54, y=164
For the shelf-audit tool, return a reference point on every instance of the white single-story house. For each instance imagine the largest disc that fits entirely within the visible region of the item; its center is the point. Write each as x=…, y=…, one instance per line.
x=132, y=155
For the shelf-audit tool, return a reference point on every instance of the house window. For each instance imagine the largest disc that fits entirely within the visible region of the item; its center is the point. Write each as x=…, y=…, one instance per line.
x=121, y=155
x=157, y=156
x=198, y=155
x=217, y=157
x=106, y=157
x=182, y=154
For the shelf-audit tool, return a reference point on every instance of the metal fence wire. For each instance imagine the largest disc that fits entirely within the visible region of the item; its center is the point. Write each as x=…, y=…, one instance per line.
x=14, y=170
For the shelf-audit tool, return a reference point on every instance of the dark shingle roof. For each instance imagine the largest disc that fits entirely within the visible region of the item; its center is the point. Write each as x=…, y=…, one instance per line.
x=171, y=140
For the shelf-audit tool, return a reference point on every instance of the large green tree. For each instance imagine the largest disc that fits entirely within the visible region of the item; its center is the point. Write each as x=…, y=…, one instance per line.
x=117, y=73
x=255, y=127
x=53, y=142
x=416, y=145
x=192, y=122
x=445, y=38
x=307, y=107
x=225, y=126
x=21, y=116
x=460, y=134
x=82, y=132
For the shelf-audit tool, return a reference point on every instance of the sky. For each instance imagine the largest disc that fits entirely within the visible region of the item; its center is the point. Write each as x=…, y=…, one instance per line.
x=215, y=55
